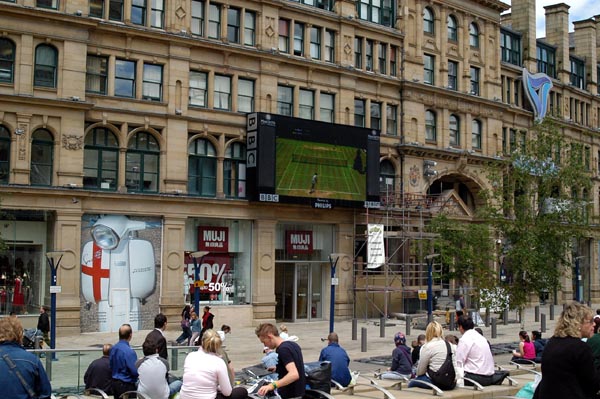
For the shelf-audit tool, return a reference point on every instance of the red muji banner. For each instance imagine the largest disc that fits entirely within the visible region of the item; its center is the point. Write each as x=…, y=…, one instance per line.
x=213, y=239
x=299, y=242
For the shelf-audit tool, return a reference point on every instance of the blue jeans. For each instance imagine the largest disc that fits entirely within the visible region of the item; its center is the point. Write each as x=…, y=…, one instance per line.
x=415, y=382
x=185, y=335
x=175, y=387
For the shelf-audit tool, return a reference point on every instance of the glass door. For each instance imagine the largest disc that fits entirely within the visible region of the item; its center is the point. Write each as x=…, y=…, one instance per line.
x=303, y=288
x=299, y=291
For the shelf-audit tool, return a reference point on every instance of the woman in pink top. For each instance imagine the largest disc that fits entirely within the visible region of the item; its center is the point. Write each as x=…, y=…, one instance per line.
x=205, y=373
x=526, y=348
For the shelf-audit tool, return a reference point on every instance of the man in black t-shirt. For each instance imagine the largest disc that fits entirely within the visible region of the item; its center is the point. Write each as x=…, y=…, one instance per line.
x=290, y=367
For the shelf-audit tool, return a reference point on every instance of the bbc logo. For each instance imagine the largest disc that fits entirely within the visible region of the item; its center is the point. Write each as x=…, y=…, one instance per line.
x=268, y=197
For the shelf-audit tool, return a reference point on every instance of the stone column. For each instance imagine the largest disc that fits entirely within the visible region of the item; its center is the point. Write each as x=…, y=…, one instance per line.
x=263, y=273
x=171, y=294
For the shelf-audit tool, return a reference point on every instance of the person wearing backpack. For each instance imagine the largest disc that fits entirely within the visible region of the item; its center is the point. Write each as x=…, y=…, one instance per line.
x=437, y=360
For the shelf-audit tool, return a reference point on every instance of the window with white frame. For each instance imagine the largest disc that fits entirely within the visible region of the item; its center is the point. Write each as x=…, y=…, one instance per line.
x=222, y=95
x=245, y=100
x=327, y=107
x=198, y=88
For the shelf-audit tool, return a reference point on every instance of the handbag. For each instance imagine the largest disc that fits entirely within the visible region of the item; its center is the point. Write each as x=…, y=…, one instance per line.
x=445, y=377
x=185, y=323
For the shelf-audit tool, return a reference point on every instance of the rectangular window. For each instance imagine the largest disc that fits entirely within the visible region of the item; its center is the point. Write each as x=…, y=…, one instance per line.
x=429, y=71
x=375, y=115
x=284, y=35
x=96, y=75
x=157, y=14
x=222, y=96
x=214, y=21
x=152, y=84
x=198, y=17
x=97, y=8
x=330, y=45
x=358, y=45
x=298, y=39
x=393, y=61
x=577, y=77
x=315, y=43
x=115, y=10
x=510, y=47
x=53, y=4
x=369, y=55
x=198, y=88
x=391, y=117
x=138, y=12
x=306, y=105
x=453, y=75
x=125, y=78
x=587, y=154
x=474, y=81
x=504, y=141
x=382, y=56
x=245, y=100
x=377, y=11
x=249, y=28
x=546, y=60
x=359, y=112
x=512, y=140
x=327, y=108
x=233, y=25
x=285, y=100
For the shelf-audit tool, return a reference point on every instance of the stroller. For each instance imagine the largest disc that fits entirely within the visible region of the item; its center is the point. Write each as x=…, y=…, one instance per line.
x=29, y=338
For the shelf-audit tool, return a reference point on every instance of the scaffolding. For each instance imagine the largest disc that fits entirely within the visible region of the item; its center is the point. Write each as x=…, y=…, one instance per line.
x=394, y=287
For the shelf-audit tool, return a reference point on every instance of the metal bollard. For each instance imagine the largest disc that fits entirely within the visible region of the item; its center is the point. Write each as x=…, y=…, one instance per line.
x=408, y=323
x=452, y=322
x=174, y=358
x=382, y=327
x=354, y=329
x=487, y=317
x=494, y=327
x=505, y=317
x=543, y=323
x=363, y=339
x=537, y=314
x=551, y=311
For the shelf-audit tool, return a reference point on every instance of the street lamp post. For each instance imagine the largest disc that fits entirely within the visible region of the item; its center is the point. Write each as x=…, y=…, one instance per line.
x=333, y=260
x=429, y=259
x=195, y=256
x=53, y=259
x=578, y=285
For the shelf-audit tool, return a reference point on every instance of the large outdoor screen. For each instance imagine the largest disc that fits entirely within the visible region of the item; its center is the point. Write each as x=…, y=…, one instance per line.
x=292, y=160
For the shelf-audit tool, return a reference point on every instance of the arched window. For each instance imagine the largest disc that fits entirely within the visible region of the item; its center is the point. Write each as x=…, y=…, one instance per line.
x=42, y=154
x=7, y=60
x=476, y=134
x=202, y=168
x=4, y=154
x=452, y=28
x=428, y=22
x=234, y=171
x=474, y=35
x=141, y=165
x=46, y=63
x=387, y=180
x=430, y=126
x=100, y=160
x=454, y=128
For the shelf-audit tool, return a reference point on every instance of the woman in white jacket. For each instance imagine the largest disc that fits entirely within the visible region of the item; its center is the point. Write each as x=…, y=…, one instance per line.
x=432, y=354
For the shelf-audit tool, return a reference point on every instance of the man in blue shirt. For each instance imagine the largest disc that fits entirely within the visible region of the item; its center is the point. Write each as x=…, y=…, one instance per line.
x=122, y=363
x=338, y=358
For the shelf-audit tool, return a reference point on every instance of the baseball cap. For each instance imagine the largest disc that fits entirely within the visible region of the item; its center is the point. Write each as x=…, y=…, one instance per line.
x=399, y=338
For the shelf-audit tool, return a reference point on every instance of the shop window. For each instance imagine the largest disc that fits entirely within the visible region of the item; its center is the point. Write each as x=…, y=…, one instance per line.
x=7, y=61
x=4, y=154
x=234, y=171
x=46, y=66
x=100, y=160
x=142, y=163
x=202, y=168
x=42, y=153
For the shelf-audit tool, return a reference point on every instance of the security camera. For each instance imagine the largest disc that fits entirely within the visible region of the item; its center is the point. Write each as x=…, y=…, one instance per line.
x=429, y=164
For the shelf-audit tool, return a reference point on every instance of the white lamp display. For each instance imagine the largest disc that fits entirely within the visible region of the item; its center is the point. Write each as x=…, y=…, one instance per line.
x=117, y=271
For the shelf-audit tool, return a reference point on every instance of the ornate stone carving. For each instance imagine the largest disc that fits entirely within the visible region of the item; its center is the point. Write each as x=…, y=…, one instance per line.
x=72, y=142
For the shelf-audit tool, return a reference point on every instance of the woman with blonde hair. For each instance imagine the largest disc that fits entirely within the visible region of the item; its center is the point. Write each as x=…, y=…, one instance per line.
x=567, y=362
x=205, y=374
x=432, y=355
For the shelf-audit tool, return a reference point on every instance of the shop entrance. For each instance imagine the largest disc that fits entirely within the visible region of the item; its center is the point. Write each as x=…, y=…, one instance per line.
x=299, y=291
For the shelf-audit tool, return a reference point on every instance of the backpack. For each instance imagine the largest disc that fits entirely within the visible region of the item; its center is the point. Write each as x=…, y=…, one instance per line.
x=445, y=377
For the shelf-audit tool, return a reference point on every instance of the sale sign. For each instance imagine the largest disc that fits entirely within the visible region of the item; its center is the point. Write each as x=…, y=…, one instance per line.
x=212, y=270
x=213, y=239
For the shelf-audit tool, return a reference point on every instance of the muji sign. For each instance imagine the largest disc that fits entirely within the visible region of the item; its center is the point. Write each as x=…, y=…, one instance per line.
x=299, y=242
x=213, y=239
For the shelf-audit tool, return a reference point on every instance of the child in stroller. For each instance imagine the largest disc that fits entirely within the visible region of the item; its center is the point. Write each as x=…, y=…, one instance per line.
x=29, y=338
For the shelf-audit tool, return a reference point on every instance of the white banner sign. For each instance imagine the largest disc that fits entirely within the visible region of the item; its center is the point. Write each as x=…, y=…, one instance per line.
x=375, y=247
